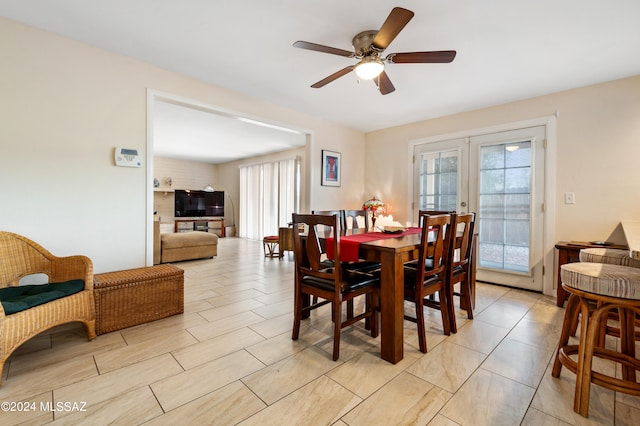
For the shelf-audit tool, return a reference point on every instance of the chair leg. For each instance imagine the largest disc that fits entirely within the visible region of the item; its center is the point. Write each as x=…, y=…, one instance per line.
x=445, y=307
x=337, y=326
x=374, y=306
x=297, y=315
x=349, y=308
x=448, y=292
x=422, y=332
x=465, y=297
x=90, y=327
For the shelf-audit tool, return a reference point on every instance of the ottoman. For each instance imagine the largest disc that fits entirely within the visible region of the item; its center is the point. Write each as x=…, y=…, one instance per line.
x=136, y=296
x=187, y=245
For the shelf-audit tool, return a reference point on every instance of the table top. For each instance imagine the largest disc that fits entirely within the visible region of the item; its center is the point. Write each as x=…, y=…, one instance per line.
x=396, y=243
x=375, y=241
x=586, y=244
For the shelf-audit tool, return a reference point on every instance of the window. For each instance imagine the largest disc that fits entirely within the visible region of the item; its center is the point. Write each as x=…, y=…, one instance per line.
x=269, y=194
x=439, y=181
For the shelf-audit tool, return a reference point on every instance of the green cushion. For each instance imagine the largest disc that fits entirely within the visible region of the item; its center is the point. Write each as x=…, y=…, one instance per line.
x=19, y=298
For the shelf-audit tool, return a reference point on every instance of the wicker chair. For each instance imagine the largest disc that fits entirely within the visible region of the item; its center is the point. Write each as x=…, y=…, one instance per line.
x=20, y=257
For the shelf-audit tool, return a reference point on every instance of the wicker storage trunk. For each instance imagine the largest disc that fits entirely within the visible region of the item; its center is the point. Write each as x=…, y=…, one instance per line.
x=136, y=296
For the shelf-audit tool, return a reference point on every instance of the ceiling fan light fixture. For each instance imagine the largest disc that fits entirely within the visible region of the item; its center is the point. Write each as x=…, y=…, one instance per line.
x=369, y=67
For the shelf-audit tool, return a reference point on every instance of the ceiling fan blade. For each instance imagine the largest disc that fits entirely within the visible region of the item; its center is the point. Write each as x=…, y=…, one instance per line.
x=384, y=83
x=442, y=56
x=323, y=49
x=334, y=76
x=395, y=22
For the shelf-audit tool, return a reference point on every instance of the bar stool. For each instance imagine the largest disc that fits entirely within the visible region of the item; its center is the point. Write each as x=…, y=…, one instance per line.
x=609, y=256
x=611, y=287
x=270, y=244
x=612, y=257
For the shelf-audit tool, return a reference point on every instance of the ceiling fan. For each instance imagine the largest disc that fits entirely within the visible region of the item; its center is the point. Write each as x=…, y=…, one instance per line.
x=370, y=44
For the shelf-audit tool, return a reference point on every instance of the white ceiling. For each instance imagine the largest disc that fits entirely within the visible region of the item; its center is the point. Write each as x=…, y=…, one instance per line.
x=205, y=135
x=507, y=49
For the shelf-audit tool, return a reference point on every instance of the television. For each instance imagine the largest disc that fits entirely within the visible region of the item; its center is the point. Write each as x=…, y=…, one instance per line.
x=190, y=203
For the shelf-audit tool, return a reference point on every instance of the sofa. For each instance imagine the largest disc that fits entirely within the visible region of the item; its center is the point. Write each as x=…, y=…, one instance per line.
x=175, y=247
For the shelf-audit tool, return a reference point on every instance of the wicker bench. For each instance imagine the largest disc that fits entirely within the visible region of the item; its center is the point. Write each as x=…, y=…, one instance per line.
x=136, y=296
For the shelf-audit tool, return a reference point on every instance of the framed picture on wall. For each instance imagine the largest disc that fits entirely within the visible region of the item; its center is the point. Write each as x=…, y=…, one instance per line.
x=331, y=163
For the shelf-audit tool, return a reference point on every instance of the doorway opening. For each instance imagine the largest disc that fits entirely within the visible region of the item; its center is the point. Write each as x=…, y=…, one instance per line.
x=253, y=136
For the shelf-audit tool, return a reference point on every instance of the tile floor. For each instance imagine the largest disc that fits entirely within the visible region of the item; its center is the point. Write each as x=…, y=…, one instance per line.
x=230, y=360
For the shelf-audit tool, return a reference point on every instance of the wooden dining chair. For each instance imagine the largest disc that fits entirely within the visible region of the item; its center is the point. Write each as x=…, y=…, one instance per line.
x=421, y=214
x=460, y=265
x=429, y=274
x=351, y=217
x=350, y=223
x=333, y=284
x=331, y=213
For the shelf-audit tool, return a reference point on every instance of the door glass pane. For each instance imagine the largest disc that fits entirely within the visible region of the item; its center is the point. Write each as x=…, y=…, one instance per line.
x=505, y=206
x=438, y=180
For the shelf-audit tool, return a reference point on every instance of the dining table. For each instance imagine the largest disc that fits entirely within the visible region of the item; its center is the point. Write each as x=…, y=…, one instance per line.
x=392, y=251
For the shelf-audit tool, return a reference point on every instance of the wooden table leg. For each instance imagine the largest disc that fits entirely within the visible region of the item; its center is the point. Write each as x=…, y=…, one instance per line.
x=563, y=258
x=392, y=308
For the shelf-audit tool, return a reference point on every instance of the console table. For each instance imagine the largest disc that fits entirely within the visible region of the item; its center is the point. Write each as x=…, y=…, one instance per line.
x=569, y=251
x=195, y=222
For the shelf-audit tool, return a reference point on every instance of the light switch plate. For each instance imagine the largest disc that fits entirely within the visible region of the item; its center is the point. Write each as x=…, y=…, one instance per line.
x=569, y=197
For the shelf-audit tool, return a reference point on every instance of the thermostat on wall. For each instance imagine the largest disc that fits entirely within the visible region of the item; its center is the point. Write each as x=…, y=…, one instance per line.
x=127, y=157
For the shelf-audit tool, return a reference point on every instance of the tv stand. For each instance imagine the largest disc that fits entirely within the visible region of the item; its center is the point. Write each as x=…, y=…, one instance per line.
x=210, y=223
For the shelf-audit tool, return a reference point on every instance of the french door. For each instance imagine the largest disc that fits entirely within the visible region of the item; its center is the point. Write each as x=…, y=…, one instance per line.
x=500, y=176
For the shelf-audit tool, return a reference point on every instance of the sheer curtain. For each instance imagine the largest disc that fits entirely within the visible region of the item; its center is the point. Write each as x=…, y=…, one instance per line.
x=268, y=196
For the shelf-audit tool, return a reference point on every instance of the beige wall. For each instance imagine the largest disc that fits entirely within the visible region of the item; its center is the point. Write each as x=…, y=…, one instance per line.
x=65, y=105
x=597, y=152
x=184, y=175
x=595, y=155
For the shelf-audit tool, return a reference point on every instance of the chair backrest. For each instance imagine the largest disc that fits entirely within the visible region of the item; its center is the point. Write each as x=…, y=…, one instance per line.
x=464, y=225
x=437, y=237
x=354, y=215
x=310, y=247
x=327, y=212
x=19, y=257
x=432, y=213
x=331, y=213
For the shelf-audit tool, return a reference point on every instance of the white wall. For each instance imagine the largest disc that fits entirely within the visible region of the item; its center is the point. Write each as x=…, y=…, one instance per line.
x=65, y=105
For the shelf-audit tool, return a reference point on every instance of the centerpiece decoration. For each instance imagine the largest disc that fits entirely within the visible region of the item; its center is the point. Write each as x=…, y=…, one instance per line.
x=374, y=205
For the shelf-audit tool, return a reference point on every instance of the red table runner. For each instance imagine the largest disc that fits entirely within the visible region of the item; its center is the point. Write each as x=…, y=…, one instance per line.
x=350, y=244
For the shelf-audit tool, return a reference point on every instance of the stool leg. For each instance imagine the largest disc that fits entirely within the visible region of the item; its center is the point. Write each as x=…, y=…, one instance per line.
x=585, y=356
x=570, y=316
x=583, y=373
x=627, y=341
